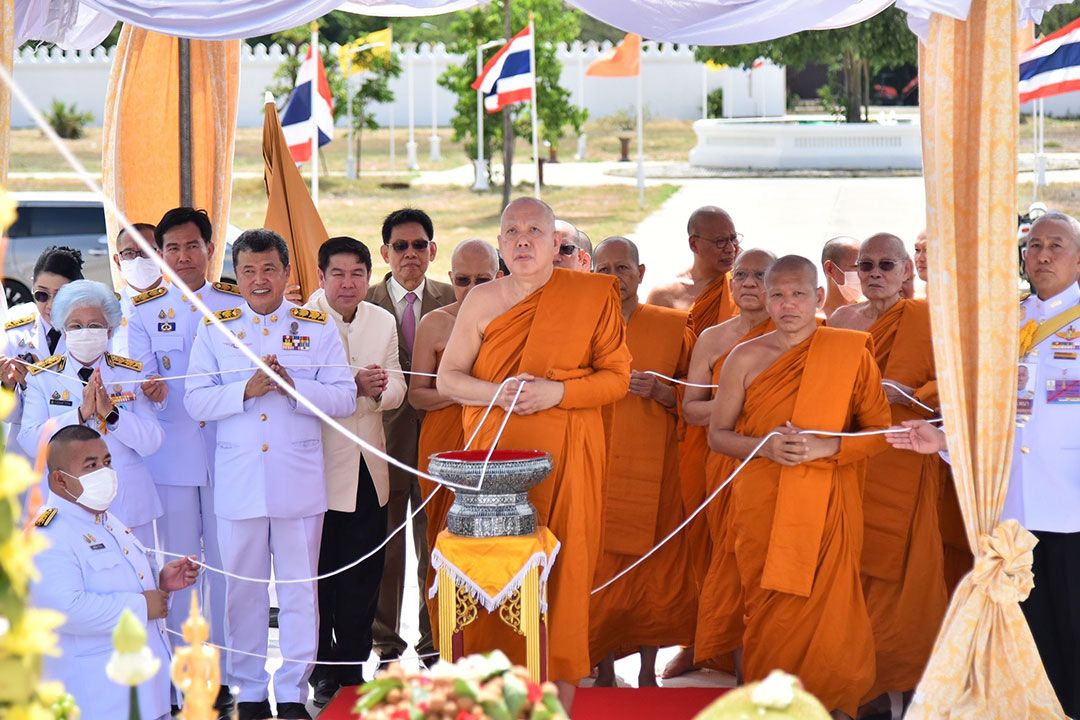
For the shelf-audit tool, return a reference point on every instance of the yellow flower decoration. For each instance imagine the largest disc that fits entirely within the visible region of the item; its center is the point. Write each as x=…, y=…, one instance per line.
x=30, y=712
x=7, y=210
x=33, y=634
x=50, y=692
x=16, y=475
x=17, y=557
x=1027, y=335
x=7, y=403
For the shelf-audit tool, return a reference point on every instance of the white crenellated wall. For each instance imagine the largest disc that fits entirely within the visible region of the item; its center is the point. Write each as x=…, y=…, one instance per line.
x=672, y=81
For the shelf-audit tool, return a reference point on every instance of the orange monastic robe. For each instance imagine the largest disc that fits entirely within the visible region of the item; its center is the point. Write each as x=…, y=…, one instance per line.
x=903, y=571
x=720, y=606
x=570, y=330
x=655, y=603
x=713, y=306
x=798, y=531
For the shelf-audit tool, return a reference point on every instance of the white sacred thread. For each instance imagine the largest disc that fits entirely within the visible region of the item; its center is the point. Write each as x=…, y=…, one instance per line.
x=901, y=390
x=678, y=382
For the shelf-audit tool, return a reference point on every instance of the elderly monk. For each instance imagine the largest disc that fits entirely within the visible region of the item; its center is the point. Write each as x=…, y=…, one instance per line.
x=559, y=337
x=838, y=258
x=920, y=257
x=903, y=569
x=796, y=518
x=649, y=606
x=720, y=608
x=704, y=289
x=474, y=262
x=574, y=251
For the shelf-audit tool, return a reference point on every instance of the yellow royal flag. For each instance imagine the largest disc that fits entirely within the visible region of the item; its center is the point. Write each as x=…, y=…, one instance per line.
x=623, y=60
x=354, y=57
x=713, y=66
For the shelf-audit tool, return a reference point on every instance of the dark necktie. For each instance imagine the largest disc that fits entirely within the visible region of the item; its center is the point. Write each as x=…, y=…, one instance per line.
x=52, y=337
x=85, y=373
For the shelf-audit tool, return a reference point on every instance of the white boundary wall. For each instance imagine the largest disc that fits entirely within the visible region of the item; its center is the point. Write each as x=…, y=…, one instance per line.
x=672, y=83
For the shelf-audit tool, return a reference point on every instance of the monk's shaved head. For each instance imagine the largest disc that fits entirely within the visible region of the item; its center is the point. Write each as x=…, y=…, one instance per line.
x=840, y=250
x=583, y=241
x=707, y=213
x=884, y=243
x=619, y=240
x=519, y=203
x=472, y=250
x=755, y=256
x=792, y=265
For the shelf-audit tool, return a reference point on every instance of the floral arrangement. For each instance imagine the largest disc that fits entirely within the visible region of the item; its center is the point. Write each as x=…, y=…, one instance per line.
x=478, y=687
x=778, y=697
x=26, y=634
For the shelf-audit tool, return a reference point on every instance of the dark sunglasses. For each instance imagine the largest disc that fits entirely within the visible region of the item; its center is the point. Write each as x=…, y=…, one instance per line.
x=883, y=265
x=41, y=296
x=568, y=249
x=466, y=281
x=401, y=246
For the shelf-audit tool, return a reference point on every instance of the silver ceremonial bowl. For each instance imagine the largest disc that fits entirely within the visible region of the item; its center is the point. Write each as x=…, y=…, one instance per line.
x=500, y=506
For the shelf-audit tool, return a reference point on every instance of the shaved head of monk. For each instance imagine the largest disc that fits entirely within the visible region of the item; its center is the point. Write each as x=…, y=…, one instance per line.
x=920, y=256
x=527, y=237
x=473, y=263
x=884, y=267
x=619, y=257
x=792, y=294
x=713, y=238
x=568, y=256
x=748, y=279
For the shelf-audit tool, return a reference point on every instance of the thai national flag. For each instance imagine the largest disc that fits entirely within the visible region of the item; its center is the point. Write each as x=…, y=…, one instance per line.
x=296, y=120
x=507, y=77
x=1052, y=65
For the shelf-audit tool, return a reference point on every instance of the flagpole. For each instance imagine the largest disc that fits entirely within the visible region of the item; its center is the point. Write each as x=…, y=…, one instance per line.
x=410, y=146
x=535, y=129
x=314, y=122
x=640, y=141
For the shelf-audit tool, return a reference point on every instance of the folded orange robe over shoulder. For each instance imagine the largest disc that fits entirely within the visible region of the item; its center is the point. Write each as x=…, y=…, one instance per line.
x=713, y=306
x=570, y=330
x=656, y=602
x=903, y=566
x=797, y=531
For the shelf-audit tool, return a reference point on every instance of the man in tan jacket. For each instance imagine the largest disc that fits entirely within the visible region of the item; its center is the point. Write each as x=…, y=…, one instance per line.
x=357, y=481
x=408, y=247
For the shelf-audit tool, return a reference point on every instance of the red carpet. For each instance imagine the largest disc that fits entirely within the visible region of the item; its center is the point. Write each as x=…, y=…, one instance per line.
x=594, y=703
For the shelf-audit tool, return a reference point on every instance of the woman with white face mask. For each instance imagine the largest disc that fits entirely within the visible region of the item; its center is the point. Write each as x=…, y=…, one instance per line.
x=87, y=385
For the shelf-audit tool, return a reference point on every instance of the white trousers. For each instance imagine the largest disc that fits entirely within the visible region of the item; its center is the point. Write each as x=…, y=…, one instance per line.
x=189, y=527
x=247, y=548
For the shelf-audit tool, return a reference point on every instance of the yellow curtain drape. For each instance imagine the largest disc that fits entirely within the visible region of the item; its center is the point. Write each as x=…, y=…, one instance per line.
x=985, y=664
x=140, y=153
x=7, y=57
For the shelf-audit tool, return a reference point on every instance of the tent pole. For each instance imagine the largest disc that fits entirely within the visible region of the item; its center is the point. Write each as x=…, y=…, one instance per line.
x=186, y=191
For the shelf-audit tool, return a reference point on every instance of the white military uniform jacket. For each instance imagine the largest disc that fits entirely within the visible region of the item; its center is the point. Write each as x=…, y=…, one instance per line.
x=92, y=570
x=160, y=333
x=269, y=461
x=1044, y=485
x=25, y=338
x=137, y=434
x=371, y=338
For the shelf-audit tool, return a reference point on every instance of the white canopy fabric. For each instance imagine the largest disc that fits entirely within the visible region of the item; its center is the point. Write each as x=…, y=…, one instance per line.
x=82, y=24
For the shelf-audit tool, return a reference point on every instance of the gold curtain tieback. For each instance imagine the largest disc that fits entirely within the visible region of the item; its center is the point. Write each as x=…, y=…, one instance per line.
x=1003, y=567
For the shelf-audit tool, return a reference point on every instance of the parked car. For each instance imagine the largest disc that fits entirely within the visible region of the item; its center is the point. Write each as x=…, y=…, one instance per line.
x=74, y=219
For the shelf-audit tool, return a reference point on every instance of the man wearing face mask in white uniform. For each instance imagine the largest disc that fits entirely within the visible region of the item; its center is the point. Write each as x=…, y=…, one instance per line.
x=92, y=571
x=140, y=274
x=86, y=385
x=838, y=260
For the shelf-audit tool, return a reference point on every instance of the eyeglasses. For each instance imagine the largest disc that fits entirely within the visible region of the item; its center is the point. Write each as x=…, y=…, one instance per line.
x=466, y=281
x=42, y=296
x=401, y=246
x=722, y=242
x=743, y=275
x=866, y=266
x=131, y=254
x=568, y=249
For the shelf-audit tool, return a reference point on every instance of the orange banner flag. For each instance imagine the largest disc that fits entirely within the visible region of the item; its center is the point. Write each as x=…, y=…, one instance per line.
x=289, y=209
x=623, y=60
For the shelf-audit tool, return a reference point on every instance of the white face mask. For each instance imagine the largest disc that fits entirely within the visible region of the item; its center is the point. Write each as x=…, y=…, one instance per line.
x=99, y=488
x=87, y=344
x=851, y=290
x=140, y=273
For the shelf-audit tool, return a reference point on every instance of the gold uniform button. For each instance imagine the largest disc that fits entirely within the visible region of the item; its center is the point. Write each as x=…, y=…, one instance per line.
x=273, y=318
x=109, y=528
x=255, y=320
x=140, y=576
x=263, y=417
x=265, y=447
x=125, y=551
x=1025, y=450
x=193, y=308
x=202, y=423
x=266, y=331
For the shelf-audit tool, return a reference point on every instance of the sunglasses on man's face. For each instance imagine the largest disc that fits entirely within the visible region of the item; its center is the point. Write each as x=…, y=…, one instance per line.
x=401, y=246
x=568, y=249
x=466, y=281
x=883, y=265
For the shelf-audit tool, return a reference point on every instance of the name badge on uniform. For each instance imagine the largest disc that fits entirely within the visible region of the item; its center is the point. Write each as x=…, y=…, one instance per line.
x=295, y=342
x=119, y=395
x=1025, y=393
x=166, y=327
x=1062, y=391
x=60, y=398
x=93, y=542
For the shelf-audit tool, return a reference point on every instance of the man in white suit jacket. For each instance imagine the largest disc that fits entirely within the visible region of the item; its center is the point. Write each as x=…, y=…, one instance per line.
x=357, y=481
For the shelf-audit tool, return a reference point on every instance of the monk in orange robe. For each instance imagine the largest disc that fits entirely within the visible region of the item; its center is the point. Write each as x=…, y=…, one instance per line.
x=796, y=517
x=561, y=336
x=473, y=263
x=720, y=608
x=903, y=571
x=654, y=604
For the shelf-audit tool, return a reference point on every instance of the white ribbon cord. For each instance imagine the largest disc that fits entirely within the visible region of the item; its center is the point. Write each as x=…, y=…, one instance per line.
x=901, y=390
x=678, y=382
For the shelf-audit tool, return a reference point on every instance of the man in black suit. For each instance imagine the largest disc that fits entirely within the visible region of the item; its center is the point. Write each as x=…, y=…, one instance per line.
x=408, y=247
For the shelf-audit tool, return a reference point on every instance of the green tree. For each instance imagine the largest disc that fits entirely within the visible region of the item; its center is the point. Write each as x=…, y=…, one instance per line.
x=853, y=54
x=1057, y=18
x=554, y=23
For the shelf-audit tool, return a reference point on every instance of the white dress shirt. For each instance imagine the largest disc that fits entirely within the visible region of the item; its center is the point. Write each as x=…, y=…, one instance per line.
x=398, y=293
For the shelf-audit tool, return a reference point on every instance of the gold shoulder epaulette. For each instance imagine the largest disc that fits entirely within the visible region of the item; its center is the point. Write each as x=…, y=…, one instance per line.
x=12, y=324
x=57, y=361
x=121, y=361
x=227, y=288
x=225, y=315
x=149, y=295
x=306, y=314
x=45, y=517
